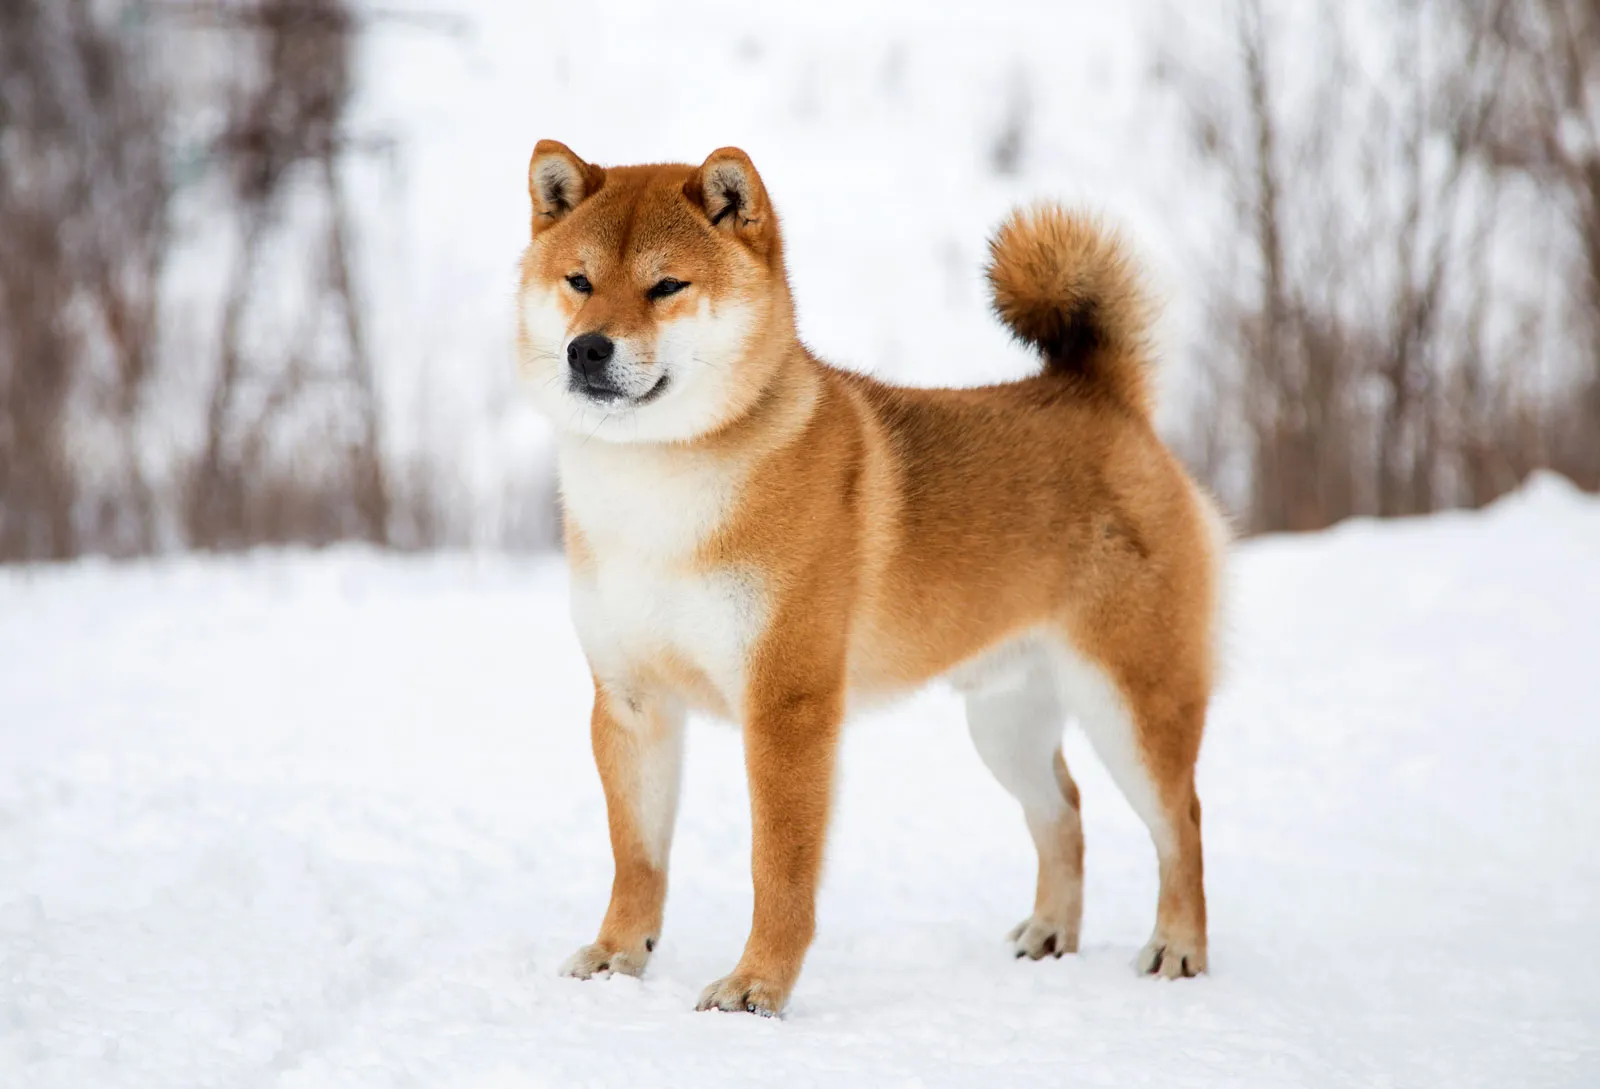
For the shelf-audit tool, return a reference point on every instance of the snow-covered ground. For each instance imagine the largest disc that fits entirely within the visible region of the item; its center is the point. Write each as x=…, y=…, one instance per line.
x=314, y=820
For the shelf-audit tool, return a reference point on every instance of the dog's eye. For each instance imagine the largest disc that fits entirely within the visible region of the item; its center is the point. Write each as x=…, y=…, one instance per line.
x=666, y=287
x=580, y=283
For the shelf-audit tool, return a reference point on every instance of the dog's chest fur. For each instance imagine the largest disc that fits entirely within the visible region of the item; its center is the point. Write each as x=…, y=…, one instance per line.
x=647, y=609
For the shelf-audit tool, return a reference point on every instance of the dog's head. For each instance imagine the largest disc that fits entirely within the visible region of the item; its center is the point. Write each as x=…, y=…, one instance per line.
x=653, y=300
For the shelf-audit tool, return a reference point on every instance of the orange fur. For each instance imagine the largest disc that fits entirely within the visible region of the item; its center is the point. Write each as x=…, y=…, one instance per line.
x=1064, y=284
x=759, y=536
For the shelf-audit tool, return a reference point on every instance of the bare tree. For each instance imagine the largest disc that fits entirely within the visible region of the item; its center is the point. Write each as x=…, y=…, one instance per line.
x=287, y=117
x=1549, y=134
x=1366, y=348
x=83, y=237
x=97, y=129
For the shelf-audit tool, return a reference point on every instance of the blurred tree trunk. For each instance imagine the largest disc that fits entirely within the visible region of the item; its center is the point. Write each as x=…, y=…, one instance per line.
x=1369, y=356
x=83, y=239
x=287, y=120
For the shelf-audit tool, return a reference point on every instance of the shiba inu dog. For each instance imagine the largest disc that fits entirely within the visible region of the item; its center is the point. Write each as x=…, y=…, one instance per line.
x=756, y=535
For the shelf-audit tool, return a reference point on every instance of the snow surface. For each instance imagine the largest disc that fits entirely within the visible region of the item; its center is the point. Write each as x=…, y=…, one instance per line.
x=310, y=820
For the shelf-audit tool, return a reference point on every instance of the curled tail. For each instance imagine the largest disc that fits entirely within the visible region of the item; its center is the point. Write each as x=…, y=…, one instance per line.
x=1066, y=285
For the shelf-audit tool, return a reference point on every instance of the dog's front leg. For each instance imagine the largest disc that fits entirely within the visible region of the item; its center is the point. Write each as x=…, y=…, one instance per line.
x=638, y=747
x=790, y=738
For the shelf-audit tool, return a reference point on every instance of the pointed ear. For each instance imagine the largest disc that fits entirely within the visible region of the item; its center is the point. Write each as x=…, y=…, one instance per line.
x=558, y=181
x=729, y=191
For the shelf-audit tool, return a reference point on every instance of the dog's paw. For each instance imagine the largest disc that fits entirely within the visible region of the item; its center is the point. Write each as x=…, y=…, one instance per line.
x=1037, y=937
x=744, y=994
x=1171, y=958
x=598, y=960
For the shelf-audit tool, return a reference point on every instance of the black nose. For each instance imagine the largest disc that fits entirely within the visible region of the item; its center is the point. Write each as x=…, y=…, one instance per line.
x=588, y=355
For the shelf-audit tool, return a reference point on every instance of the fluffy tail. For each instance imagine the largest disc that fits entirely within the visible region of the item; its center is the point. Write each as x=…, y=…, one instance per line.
x=1066, y=285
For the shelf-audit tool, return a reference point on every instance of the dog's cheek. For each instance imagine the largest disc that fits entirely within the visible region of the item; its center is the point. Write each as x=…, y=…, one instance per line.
x=542, y=335
x=708, y=342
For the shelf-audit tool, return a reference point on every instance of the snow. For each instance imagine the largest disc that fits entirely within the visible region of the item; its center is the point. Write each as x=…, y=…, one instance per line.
x=330, y=819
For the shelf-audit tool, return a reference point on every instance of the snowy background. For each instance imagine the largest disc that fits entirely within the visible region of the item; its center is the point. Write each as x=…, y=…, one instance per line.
x=311, y=819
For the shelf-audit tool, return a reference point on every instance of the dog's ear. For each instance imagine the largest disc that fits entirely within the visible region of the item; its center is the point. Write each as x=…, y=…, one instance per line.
x=728, y=190
x=558, y=181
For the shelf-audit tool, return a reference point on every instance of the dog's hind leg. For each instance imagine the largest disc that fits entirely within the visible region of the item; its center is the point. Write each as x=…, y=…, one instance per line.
x=1017, y=730
x=1148, y=739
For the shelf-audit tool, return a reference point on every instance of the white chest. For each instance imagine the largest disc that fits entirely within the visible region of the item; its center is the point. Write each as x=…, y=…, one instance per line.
x=642, y=604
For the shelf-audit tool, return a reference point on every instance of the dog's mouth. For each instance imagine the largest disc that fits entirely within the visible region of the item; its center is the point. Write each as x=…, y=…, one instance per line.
x=604, y=394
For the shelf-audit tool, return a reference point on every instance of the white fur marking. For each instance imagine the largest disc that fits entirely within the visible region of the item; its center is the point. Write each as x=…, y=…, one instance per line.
x=660, y=504
x=644, y=512
x=1016, y=727
x=1007, y=665
x=710, y=621
x=544, y=337
x=1093, y=697
x=657, y=741
x=700, y=353
x=557, y=182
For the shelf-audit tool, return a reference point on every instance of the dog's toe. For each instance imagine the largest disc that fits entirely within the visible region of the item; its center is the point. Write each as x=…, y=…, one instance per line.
x=598, y=960
x=745, y=994
x=1037, y=937
x=1171, y=958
